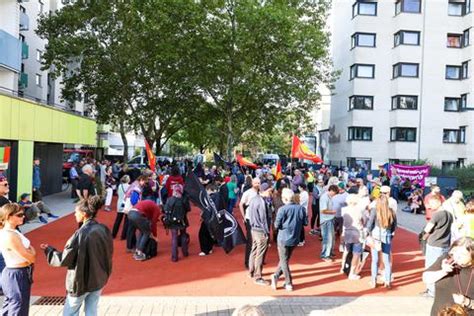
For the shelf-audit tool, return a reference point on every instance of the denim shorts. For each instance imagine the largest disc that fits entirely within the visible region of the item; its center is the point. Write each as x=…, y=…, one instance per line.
x=354, y=248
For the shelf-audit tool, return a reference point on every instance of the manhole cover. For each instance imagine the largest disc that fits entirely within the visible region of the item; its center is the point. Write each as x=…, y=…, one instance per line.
x=51, y=300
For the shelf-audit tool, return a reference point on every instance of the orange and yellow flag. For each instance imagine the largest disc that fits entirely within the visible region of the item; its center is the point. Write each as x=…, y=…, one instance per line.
x=300, y=150
x=151, y=156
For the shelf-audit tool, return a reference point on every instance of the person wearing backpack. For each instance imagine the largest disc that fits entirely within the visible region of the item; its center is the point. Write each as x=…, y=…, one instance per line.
x=176, y=220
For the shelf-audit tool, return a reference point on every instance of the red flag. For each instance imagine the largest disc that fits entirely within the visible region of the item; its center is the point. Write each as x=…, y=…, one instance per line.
x=300, y=150
x=6, y=155
x=151, y=156
x=277, y=171
x=245, y=162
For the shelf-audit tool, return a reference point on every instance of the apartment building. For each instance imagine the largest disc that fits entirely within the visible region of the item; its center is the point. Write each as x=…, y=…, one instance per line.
x=21, y=53
x=405, y=90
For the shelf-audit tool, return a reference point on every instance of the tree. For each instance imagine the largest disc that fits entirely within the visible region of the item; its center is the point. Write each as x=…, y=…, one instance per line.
x=262, y=61
x=129, y=57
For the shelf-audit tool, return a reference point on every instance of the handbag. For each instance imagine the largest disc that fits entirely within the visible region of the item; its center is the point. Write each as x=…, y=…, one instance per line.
x=373, y=243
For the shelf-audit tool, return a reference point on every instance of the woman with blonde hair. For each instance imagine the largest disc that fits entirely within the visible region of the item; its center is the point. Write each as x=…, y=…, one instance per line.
x=381, y=227
x=19, y=258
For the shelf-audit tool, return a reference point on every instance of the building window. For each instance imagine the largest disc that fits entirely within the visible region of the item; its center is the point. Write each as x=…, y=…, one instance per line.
x=405, y=70
x=452, y=104
x=407, y=162
x=22, y=9
x=403, y=134
x=361, y=102
x=41, y=6
x=465, y=38
x=410, y=6
x=363, y=40
x=404, y=102
x=456, y=8
x=38, y=80
x=464, y=102
x=360, y=133
x=454, y=41
x=453, y=72
x=39, y=55
x=454, y=136
x=465, y=70
x=362, y=71
x=364, y=163
x=363, y=7
x=407, y=38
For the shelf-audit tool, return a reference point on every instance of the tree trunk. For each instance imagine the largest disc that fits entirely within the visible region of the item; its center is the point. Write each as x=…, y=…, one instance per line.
x=230, y=139
x=124, y=141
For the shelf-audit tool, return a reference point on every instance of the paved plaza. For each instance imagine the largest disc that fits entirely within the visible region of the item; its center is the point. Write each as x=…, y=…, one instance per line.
x=224, y=306
x=368, y=303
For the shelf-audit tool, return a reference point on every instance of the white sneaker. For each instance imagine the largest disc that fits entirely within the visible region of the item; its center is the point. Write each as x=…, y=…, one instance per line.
x=301, y=244
x=354, y=277
x=202, y=254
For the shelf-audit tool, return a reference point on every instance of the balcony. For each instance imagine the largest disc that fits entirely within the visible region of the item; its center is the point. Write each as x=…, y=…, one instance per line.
x=24, y=21
x=10, y=48
x=24, y=50
x=23, y=81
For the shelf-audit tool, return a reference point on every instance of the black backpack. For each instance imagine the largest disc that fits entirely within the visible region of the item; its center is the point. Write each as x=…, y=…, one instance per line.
x=151, y=248
x=175, y=213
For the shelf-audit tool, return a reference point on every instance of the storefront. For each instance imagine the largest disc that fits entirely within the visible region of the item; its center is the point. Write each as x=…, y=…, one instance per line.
x=30, y=129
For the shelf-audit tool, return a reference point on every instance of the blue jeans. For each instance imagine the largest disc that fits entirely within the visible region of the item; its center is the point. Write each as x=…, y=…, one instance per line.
x=2, y=266
x=73, y=304
x=386, y=250
x=327, y=233
x=431, y=255
x=395, y=192
x=137, y=221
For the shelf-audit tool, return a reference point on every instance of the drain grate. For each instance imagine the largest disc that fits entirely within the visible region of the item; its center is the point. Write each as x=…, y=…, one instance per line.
x=50, y=300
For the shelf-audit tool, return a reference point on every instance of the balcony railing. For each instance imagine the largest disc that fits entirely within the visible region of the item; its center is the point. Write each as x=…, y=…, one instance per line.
x=24, y=50
x=24, y=21
x=23, y=81
x=10, y=51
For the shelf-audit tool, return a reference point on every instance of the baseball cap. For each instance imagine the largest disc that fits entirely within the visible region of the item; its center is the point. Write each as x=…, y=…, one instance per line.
x=341, y=185
x=385, y=189
x=24, y=196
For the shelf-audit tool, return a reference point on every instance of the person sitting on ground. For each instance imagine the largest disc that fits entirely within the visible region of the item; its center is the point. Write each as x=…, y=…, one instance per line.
x=36, y=208
x=452, y=275
x=415, y=200
x=353, y=226
x=32, y=212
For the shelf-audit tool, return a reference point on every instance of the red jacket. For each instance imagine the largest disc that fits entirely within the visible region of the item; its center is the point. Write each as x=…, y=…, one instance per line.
x=151, y=211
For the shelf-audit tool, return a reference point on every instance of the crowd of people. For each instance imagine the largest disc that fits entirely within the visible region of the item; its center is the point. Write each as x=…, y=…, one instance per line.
x=353, y=212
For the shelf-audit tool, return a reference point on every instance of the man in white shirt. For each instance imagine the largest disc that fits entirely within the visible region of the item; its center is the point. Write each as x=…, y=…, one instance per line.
x=244, y=202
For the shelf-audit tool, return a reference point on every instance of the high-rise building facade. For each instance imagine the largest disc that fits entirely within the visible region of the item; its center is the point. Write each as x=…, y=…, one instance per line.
x=405, y=89
x=21, y=51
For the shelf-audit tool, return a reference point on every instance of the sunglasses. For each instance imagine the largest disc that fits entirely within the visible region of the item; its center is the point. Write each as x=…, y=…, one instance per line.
x=20, y=215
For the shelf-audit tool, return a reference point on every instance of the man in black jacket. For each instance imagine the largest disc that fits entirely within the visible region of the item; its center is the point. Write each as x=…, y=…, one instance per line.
x=88, y=258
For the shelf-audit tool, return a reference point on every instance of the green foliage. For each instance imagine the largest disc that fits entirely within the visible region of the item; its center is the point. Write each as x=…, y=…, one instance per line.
x=227, y=71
